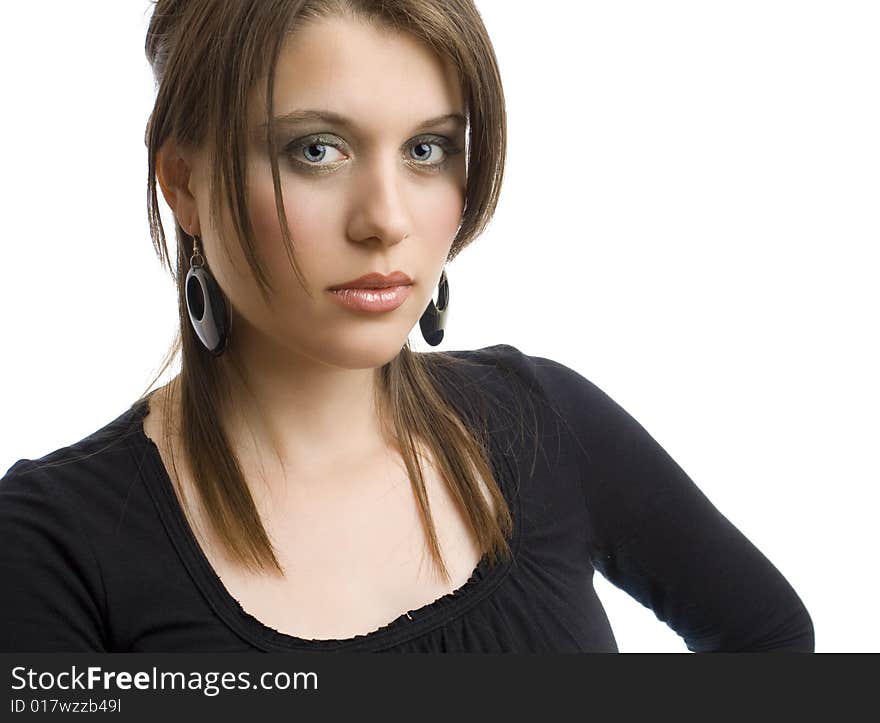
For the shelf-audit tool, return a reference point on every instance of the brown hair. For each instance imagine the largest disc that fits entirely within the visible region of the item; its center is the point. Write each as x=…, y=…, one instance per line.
x=206, y=56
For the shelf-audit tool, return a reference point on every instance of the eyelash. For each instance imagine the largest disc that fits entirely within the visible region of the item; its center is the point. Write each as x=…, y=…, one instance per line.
x=449, y=148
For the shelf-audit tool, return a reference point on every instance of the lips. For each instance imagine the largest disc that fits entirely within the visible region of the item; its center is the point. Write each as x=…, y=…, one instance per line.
x=372, y=300
x=375, y=280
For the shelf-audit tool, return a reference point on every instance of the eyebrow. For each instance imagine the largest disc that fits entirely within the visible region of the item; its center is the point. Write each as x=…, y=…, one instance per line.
x=328, y=116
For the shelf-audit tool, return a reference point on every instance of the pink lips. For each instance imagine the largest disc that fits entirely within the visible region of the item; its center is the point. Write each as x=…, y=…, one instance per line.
x=384, y=299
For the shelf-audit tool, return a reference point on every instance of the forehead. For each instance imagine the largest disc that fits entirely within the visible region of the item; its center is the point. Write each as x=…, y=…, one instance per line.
x=375, y=77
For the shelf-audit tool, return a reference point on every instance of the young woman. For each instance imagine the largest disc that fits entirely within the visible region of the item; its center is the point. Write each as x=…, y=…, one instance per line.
x=307, y=482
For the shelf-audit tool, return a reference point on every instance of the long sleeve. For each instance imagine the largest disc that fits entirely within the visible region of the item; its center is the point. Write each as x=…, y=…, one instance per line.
x=52, y=586
x=655, y=535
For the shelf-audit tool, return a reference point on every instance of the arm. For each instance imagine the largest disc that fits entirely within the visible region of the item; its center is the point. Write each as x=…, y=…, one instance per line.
x=655, y=535
x=52, y=586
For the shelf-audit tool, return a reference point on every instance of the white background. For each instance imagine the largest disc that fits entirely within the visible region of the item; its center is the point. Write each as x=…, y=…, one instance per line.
x=689, y=219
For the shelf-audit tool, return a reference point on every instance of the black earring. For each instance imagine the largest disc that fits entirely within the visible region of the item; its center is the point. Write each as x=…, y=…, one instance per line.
x=208, y=310
x=433, y=320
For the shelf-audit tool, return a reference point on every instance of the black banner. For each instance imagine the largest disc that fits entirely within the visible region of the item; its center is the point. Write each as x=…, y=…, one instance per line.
x=143, y=686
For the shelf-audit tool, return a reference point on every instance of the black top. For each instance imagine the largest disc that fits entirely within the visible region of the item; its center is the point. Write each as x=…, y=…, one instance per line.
x=97, y=555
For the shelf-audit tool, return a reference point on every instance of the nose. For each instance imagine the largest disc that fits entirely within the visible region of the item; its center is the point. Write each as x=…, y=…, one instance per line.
x=381, y=207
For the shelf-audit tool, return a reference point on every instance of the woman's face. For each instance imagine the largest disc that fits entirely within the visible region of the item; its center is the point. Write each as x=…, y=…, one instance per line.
x=379, y=195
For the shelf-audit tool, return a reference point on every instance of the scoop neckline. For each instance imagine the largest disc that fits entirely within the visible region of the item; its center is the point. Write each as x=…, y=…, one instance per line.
x=484, y=579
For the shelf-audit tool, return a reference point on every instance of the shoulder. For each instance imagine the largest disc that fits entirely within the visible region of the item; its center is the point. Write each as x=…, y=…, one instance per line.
x=562, y=397
x=500, y=373
x=80, y=479
x=33, y=503
x=563, y=388
x=556, y=393
x=504, y=362
x=56, y=599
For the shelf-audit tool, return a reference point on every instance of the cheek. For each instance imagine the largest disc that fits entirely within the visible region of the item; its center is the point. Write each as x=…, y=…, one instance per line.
x=309, y=216
x=440, y=217
x=447, y=203
x=436, y=223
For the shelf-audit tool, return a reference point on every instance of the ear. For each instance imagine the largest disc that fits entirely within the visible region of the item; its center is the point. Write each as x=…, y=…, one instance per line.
x=174, y=171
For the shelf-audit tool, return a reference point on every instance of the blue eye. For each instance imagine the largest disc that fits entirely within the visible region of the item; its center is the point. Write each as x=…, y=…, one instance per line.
x=310, y=151
x=427, y=145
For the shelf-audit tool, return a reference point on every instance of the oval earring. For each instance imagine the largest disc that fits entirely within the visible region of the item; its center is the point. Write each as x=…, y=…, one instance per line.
x=207, y=308
x=433, y=320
